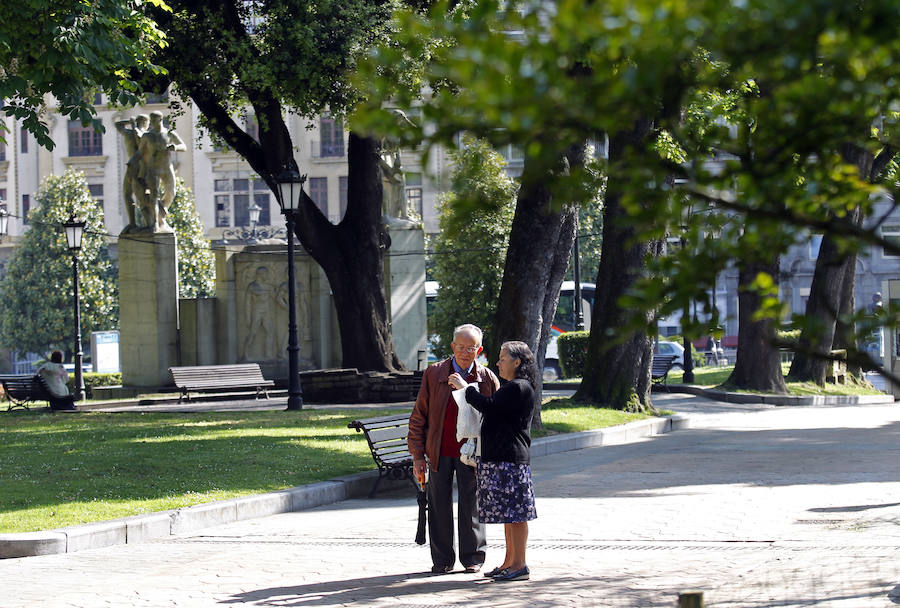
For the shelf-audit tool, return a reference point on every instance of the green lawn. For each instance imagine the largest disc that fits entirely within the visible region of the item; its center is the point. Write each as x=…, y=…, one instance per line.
x=60, y=470
x=714, y=377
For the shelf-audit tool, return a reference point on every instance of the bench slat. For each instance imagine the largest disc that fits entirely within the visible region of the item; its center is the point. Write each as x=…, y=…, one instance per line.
x=214, y=377
x=386, y=436
x=388, y=433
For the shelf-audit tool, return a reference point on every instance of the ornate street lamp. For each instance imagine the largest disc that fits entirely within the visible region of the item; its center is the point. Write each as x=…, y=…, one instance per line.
x=74, y=231
x=290, y=187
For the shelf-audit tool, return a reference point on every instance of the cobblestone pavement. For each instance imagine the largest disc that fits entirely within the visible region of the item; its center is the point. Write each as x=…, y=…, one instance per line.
x=755, y=506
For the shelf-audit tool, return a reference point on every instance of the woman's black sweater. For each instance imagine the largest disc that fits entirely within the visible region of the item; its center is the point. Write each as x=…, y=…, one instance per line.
x=506, y=422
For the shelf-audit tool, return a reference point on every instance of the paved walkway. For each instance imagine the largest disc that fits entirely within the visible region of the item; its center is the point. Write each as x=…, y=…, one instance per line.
x=753, y=504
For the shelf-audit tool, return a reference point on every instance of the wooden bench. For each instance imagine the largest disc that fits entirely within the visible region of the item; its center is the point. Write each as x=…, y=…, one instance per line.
x=659, y=371
x=220, y=378
x=387, y=441
x=22, y=389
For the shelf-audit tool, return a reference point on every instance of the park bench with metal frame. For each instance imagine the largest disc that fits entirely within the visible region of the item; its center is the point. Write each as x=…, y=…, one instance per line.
x=200, y=378
x=22, y=389
x=659, y=370
x=386, y=436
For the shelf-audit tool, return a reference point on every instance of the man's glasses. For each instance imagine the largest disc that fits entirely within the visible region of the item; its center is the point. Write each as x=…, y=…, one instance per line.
x=468, y=349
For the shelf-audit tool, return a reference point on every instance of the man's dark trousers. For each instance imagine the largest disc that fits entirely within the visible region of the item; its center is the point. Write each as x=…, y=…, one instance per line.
x=472, y=535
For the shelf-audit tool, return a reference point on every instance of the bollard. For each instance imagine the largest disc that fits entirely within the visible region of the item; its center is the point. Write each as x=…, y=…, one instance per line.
x=690, y=599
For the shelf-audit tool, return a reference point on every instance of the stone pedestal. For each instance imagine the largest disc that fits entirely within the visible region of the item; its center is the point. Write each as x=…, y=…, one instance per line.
x=404, y=277
x=148, y=308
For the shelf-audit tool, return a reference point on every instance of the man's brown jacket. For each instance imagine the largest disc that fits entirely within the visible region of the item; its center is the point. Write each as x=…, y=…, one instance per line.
x=427, y=419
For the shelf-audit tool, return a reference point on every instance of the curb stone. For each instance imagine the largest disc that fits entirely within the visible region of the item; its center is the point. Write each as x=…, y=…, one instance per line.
x=141, y=528
x=795, y=400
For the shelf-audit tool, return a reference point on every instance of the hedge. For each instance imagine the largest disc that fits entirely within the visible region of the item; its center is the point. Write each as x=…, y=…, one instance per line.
x=92, y=379
x=573, y=348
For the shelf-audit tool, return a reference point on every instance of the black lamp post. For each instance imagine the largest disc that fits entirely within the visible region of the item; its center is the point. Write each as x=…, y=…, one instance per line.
x=290, y=187
x=688, y=376
x=74, y=232
x=576, y=274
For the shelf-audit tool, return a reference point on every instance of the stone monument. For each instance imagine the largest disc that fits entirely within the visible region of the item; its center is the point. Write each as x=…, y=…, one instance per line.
x=148, y=269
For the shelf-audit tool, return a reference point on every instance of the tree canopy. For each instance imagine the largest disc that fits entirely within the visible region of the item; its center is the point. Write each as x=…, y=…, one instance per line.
x=748, y=105
x=475, y=218
x=37, y=294
x=71, y=50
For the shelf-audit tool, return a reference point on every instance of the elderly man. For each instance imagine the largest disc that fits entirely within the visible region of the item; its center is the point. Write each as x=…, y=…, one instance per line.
x=432, y=443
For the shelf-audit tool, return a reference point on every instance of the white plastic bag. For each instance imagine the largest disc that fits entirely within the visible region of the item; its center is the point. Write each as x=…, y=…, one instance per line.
x=468, y=420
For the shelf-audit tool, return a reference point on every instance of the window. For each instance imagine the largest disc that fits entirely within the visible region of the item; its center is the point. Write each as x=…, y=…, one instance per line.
x=815, y=243
x=233, y=198
x=343, y=185
x=2, y=151
x=26, y=207
x=223, y=211
x=318, y=192
x=98, y=99
x=890, y=233
x=84, y=141
x=24, y=140
x=414, y=192
x=332, y=137
x=96, y=191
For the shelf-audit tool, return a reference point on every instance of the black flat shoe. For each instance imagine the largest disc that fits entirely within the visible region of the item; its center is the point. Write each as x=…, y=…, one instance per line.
x=494, y=572
x=441, y=569
x=522, y=574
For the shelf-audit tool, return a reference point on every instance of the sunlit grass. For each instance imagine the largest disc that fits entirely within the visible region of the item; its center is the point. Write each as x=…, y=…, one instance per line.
x=567, y=416
x=63, y=470
x=715, y=377
x=58, y=471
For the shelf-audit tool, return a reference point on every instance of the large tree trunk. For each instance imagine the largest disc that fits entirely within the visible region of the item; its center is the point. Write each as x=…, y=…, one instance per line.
x=816, y=340
x=617, y=369
x=758, y=364
x=350, y=253
x=832, y=293
x=845, y=334
x=540, y=243
x=352, y=256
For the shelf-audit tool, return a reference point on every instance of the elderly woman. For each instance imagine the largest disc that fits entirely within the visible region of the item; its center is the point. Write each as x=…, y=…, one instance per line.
x=505, y=489
x=55, y=375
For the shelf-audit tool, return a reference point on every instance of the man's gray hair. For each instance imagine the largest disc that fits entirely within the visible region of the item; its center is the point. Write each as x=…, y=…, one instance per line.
x=470, y=329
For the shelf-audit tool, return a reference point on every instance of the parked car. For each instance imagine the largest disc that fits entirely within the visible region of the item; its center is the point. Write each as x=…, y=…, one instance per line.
x=673, y=348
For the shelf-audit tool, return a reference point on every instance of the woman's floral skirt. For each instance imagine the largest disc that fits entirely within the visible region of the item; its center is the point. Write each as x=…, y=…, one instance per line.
x=505, y=493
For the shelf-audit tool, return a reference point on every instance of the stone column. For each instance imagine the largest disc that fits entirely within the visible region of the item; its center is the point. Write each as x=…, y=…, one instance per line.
x=148, y=308
x=404, y=277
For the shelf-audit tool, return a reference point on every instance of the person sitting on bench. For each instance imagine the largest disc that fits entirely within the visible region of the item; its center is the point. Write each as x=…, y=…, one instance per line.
x=56, y=376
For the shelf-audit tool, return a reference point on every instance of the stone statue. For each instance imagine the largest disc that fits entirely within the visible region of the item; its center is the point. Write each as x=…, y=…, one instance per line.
x=393, y=182
x=153, y=183
x=132, y=129
x=258, y=306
